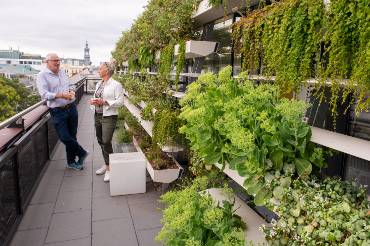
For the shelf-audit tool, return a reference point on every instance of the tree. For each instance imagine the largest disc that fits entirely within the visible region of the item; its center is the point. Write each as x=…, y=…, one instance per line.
x=14, y=97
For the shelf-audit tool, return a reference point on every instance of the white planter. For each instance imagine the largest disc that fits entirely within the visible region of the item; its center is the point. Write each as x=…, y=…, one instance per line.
x=127, y=173
x=164, y=175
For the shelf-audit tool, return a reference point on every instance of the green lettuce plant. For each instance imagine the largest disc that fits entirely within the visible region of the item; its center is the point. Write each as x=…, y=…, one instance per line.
x=252, y=129
x=192, y=218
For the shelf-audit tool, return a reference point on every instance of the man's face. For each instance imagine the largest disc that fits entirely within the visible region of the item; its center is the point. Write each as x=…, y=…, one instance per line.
x=53, y=63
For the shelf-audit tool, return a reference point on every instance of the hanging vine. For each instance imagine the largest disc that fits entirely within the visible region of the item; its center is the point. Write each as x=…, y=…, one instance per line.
x=180, y=63
x=166, y=59
x=285, y=39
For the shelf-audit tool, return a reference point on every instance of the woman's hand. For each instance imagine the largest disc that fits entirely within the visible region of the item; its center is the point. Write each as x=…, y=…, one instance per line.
x=98, y=101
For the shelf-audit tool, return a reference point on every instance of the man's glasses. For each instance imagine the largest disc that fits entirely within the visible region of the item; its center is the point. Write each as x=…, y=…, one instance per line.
x=54, y=60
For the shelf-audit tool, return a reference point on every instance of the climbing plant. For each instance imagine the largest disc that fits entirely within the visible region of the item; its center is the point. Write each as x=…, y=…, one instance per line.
x=180, y=61
x=295, y=40
x=165, y=64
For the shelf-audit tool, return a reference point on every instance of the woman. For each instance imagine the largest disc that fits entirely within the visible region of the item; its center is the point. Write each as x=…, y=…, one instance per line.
x=108, y=97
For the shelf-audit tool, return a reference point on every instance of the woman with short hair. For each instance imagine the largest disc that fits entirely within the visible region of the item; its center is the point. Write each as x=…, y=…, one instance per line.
x=108, y=97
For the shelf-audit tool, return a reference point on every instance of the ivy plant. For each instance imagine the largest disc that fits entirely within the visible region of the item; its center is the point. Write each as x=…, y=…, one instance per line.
x=295, y=40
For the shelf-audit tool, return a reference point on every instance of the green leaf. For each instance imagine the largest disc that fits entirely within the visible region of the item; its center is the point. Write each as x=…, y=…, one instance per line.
x=302, y=131
x=270, y=140
x=292, y=142
x=304, y=167
x=242, y=169
x=276, y=157
x=253, y=186
x=213, y=157
x=262, y=197
x=236, y=161
x=302, y=147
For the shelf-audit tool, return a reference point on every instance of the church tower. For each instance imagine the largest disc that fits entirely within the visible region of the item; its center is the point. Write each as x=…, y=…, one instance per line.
x=87, y=61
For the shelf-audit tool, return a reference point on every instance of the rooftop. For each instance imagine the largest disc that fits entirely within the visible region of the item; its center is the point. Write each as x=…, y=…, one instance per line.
x=75, y=207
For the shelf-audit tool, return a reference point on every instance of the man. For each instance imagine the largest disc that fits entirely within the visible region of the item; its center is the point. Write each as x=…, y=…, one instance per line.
x=53, y=85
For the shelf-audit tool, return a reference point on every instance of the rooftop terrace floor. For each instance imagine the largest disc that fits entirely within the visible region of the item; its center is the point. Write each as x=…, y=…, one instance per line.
x=74, y=208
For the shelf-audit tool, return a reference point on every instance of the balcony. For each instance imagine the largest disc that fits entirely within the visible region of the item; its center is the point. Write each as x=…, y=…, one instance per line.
x=43, y=203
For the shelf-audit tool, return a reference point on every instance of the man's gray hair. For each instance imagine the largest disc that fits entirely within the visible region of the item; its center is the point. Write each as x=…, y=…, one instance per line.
x=50, y=56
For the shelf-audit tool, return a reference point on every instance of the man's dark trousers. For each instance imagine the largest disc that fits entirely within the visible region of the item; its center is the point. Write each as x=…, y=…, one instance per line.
x=66, y=122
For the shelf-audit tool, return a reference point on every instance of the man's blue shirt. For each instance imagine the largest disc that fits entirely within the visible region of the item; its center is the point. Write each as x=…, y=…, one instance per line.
x=49, y=84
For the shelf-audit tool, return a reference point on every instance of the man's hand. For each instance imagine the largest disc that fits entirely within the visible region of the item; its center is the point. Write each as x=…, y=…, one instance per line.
x=65, y=95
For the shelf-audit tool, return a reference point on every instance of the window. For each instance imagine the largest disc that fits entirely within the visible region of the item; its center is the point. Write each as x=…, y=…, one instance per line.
x=219, y=31
x=20, y=62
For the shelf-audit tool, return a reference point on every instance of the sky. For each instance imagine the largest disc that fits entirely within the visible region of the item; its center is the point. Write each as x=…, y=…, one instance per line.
x=63, y=26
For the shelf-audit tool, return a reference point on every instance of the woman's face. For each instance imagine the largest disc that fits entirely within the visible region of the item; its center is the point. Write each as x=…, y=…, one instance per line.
x=103, y=71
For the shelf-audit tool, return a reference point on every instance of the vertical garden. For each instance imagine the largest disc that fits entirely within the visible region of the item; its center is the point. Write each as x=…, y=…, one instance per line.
x=255, y=128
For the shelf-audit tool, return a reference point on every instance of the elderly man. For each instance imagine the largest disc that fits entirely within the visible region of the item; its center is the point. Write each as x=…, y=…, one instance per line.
x=53, y=85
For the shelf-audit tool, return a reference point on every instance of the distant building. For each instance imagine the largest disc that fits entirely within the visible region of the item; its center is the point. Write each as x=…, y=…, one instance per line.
x=87, y=55
x=72, y=66
x=25, y=73
x=16, y=57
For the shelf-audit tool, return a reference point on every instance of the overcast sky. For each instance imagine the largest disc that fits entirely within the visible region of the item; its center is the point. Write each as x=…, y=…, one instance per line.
x=63, y=26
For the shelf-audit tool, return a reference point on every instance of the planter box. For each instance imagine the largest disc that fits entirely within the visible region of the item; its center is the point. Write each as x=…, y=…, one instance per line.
x=127, y=173
x=164, y=175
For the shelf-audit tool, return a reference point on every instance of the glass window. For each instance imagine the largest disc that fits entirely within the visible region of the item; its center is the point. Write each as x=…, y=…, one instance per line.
x=219, y=31
x=20, y=62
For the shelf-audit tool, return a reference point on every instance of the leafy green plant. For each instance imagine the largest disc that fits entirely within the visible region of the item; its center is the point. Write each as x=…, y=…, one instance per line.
x=192, y=218
x=180, y=61
x=161, y=23
x=146, y=57
x=166, y=127
x=147, y=112
x=166, y=60
x=250, y=127
x=330, y=212
x=123, y=135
